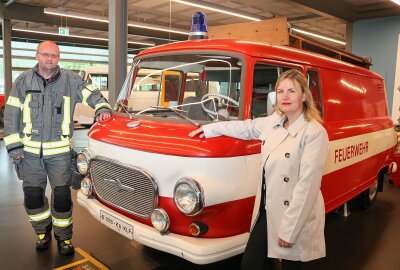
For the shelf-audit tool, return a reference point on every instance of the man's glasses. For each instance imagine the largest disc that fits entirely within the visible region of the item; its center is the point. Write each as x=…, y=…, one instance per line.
x=49, y=55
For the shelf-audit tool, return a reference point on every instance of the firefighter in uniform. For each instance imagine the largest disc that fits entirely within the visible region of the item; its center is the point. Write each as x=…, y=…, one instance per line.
x=38, y=128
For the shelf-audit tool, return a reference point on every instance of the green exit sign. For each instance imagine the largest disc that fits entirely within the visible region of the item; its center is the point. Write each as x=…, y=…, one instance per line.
x=63, y=31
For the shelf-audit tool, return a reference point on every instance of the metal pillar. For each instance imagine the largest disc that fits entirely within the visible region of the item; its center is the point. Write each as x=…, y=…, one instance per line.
x=117, y=46
x=6, y=27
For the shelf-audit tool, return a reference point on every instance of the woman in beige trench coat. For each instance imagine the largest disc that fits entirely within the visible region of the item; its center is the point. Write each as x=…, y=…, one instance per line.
x=293, y=153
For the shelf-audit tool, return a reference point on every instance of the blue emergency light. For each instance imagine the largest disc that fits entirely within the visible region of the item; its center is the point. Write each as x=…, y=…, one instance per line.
x=199, y=26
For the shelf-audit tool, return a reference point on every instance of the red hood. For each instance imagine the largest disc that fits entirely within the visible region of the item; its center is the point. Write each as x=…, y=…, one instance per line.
x=164, y=138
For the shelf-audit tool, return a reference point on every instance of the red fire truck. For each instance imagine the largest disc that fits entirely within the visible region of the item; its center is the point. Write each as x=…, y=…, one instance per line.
x=146, y=179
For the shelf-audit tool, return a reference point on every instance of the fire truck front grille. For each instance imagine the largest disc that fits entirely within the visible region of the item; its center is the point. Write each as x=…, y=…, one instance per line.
x=126, y=187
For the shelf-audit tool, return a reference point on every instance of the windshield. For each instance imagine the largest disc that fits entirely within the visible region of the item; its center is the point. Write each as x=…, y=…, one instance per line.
x=202, y=87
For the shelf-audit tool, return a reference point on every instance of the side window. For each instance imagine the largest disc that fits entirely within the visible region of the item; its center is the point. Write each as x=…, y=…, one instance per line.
x=315, y=87
x=264, y=80
x=192, y=85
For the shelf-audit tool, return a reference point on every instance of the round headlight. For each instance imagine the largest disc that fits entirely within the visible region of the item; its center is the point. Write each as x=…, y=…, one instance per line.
x=82, y=162
x=86, y=186
x=160, y=219
x=189, y=196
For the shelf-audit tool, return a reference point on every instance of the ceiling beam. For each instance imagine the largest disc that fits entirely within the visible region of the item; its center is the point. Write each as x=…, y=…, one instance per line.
x=9, y=2
x=303, y=18
x=339, y=8
x=378, y=12
x=66, y=40
x=30, y=13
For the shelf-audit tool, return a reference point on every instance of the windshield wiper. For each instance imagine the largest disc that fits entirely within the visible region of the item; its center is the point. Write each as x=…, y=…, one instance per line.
x=177, y=112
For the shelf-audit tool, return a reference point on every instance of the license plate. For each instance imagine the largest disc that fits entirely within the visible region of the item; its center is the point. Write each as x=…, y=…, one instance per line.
x=116, y=224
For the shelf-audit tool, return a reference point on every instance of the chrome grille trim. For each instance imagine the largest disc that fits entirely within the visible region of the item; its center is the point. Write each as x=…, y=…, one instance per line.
x=124, y=186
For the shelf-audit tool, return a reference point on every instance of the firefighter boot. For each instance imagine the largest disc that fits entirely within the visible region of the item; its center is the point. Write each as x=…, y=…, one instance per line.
x=65, y=247
x=43, y=241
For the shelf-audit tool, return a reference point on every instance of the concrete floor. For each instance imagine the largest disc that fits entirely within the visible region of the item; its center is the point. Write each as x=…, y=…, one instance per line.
x=367, y=240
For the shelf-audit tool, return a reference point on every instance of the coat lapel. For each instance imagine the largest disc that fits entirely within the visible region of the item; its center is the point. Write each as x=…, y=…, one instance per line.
x=277, y=137
x=297, y=125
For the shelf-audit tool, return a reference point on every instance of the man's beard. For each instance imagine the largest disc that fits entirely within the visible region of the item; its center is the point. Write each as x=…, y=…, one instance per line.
x=49, y=69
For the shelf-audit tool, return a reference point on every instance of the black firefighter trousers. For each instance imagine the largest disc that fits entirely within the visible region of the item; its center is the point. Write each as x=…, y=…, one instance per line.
x=34, y=171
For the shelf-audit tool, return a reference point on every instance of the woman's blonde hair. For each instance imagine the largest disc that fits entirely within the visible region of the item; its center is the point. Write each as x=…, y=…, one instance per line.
x=309, y=108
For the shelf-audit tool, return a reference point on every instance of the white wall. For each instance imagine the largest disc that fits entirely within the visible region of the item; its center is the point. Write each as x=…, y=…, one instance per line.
x=378, y=38
x=396, y=93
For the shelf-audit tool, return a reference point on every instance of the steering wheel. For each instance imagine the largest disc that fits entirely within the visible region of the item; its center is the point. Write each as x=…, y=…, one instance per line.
x=212, y=113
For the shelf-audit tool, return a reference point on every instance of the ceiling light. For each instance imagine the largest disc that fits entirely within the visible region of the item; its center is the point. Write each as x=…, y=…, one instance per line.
x=74, y=14
x=156, y=27
x=77, y=36
x=98, y=18
x=318, y=36
x=221, y=9
x=396, y=1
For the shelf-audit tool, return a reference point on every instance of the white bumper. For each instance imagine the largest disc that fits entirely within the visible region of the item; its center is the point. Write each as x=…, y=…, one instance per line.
x=196, y=250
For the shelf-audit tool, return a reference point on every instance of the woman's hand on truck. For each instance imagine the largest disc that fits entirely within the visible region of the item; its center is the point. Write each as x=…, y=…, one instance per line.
x=197, y=131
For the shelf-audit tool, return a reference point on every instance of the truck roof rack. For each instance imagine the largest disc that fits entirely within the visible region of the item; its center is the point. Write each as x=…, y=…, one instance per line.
x=277, y=31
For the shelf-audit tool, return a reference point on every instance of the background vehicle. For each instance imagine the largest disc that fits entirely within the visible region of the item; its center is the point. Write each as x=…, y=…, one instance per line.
x=97, y=76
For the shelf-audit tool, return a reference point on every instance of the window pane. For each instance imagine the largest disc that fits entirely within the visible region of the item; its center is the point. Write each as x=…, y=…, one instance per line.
x=314, y=85
x=263, y=98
